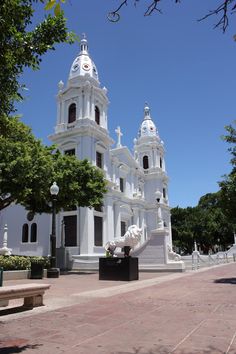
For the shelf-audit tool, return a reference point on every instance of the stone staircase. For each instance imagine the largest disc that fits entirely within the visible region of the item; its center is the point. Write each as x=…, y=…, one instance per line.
x=152, y=256
x=150, y=252
x=86, y=263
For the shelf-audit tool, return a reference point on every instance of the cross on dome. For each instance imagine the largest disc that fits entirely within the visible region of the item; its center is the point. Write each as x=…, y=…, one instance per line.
x=119, y=135
x=147, y=127
x=84, y=45
x=83, y=65
x=146, y=111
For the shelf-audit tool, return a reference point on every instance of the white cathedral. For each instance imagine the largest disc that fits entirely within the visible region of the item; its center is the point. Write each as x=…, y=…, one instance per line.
x=137, y=184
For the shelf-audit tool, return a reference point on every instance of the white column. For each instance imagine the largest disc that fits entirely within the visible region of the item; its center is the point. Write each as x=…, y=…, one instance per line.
x=58, y=111
x=105, y=117
x=86, y=103
x=109, y=220
x=141, y=214
x=117, y=229
x=152, y=158
x=86, y=231
x=163, y=164
x=136, y=216
x=113, y=172
x=160, y=223
x=92, y=106
x=141, y=223
x=64, y=113
x=80, y=106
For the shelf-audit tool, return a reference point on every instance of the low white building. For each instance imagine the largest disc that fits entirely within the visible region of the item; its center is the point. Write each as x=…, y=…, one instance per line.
x=137, y=185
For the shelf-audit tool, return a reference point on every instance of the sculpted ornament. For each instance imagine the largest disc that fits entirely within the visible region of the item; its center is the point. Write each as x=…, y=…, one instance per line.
x=172, y=256
x=130, y=239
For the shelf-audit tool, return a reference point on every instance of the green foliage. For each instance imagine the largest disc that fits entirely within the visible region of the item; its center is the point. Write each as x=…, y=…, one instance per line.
x=206, y=224
x=228, y=185
x=14, y=262
x=231, y=139
x=184, y=226
x=228, y=196
x=22, y=262
x=45, y=261
x=213, y=220
x=80, y=184
x=25, y=164
x=21, y=47
x=56, y=5
x=28, y=169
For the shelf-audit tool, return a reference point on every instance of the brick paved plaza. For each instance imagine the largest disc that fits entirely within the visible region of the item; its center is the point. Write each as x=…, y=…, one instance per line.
x=187, y=313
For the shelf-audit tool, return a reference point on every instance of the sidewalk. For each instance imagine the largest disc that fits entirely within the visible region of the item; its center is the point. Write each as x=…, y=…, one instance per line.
x=187, y=313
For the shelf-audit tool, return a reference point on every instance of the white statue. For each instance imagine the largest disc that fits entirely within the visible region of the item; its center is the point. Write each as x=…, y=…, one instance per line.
x=5, y=251
x=131, y=238
x=172, y=256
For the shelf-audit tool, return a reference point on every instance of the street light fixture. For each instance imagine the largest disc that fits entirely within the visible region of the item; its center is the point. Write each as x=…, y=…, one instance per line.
x=53, y=272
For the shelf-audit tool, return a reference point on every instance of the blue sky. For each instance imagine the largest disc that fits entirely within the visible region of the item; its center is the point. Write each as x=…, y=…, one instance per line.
x=183, y=68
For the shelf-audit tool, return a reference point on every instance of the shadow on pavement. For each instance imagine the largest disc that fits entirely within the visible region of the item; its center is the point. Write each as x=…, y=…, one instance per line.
x=226, y=281
x=11, y=310
x=162, y=349
x=71, y=272
x=16, y=349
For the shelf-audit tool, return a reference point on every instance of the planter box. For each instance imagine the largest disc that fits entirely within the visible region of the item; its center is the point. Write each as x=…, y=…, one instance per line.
x=118, y=268
x=18, y=274
x=1, y=276
x=36, y=271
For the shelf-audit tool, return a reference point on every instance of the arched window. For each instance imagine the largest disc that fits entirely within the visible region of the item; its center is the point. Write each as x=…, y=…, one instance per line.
x=25, y=233
x=164, y=193
x=97, y=115
x=145, y=162
x=160, y=162
x=33, y=232
x=72, y=113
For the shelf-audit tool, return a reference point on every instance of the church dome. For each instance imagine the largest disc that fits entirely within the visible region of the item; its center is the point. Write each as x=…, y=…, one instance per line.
x=83, y=64
x=147, y=127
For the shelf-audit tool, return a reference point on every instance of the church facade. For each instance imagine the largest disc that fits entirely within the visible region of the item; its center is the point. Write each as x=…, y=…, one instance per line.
x=137, y=183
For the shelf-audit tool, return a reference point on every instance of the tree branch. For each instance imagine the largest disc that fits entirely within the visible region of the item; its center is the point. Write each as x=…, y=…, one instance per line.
x=152, y=7
x=223, y=10
x=114, y=16
x=5, y=201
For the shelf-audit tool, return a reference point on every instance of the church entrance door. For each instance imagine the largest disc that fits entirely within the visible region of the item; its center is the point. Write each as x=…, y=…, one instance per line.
x=70, y=223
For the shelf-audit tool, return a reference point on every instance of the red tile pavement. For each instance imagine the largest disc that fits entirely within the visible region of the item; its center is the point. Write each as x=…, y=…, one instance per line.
x=189, y=313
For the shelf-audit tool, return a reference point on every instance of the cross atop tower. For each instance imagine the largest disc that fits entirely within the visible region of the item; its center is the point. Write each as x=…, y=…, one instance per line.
x=119, y=135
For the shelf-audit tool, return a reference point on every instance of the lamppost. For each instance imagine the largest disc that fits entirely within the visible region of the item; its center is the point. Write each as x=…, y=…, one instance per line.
x=53, y=272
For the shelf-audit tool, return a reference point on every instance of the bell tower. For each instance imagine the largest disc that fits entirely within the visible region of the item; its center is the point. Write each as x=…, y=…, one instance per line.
x=81, y=130
x=82, y=109
x=149, y=153
x=149, y=148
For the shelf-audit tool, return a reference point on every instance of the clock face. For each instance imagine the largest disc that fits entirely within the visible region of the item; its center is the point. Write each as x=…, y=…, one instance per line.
x=86, y=66
x=75, y=67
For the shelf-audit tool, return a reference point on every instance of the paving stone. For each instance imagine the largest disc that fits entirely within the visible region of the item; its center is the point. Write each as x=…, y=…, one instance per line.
x=190, y=313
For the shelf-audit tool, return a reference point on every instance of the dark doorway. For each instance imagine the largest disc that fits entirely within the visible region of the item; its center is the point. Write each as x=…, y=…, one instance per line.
x=122, y=228
x=70, y=223
x=98, y=230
